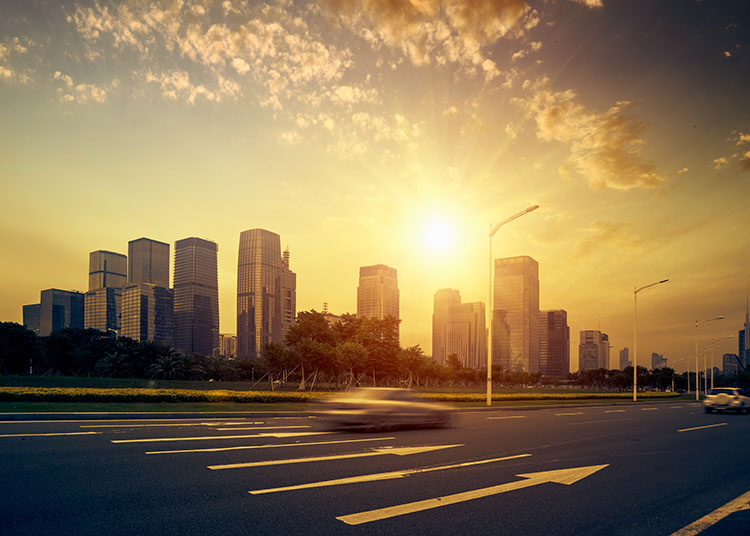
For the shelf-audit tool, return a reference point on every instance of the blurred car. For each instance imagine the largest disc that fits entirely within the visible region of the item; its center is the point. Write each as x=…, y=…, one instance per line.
x=376, y=408
x=726, y=398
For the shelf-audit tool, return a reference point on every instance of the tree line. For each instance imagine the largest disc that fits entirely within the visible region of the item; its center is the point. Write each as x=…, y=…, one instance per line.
x=314, y=354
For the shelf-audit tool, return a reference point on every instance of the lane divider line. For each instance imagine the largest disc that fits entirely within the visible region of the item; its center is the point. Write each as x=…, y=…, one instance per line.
x=702, y=427
x=211, y=438
x=571, y=413
x=165, y=424
x=47, y=435
x=507, y=417
x=615, y=411
x=382, y=476
x=271, y=445
x=649, y=409
x=740, y=503
x=601, y=420
x=264, y=427
x=379, y=451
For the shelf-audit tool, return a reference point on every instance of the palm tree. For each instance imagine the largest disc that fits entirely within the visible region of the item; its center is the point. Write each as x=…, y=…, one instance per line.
x=170, y=366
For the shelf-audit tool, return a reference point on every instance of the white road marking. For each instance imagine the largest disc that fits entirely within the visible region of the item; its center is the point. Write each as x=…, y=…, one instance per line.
x=615, y=411
x=207, y=438
x=649, y=409
x=702, y=427
x=572, y=413
x=563, y=476
x=53, y=421
x=675, y=407
x=507, y=417
x=601, y=420
x=264, y=427
x=271, y=445
x=400, y=451
x=740, y=503
x=167, y=424
x=56, y=434
x=381, y=476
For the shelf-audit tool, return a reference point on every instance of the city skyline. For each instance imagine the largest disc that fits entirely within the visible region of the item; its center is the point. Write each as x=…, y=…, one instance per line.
x=404, y=135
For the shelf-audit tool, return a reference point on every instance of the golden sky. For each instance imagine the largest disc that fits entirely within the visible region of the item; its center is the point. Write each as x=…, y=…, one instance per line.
x=351, y=128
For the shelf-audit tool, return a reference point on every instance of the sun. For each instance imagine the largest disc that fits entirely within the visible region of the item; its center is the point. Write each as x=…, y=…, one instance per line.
x=438, y=235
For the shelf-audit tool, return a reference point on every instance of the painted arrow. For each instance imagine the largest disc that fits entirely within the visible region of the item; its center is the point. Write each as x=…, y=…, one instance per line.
x=560, y=476
x=401, y=451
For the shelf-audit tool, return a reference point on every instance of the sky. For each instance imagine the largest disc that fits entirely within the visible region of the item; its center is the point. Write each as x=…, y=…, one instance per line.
x=373, y=131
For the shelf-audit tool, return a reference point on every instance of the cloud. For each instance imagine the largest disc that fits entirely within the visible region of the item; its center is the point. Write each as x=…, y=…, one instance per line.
x=605, y=147
x=744, y=161
x=534, y=46
x=602, y=237
x=593, y=4
x=9, y=52
x=738, y=139
x=176, y=85
x=720, y=162
x=82, y=93
x=682, y=171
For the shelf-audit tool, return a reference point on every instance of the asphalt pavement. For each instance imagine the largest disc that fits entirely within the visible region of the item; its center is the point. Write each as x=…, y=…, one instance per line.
x=658, y=469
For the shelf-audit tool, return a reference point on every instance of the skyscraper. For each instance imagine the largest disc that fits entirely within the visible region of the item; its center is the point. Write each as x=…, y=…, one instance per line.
x=744, y=340
x=288, y=293
x=60, y=309
x=593, y=350
x=658, y=361
x=377, y=293
x=107, y=276
x=554, y=344
x=465, y=335
x=516, y=293
x=444, y=299
x=148, y=262
x=625, y=358
x=107, y=269
x=196, y=296
x=31, y=317
x=147, y=313
x=260, y=316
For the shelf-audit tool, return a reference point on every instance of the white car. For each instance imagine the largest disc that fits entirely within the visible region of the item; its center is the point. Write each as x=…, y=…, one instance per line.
x=726, y=398
x=372, y=408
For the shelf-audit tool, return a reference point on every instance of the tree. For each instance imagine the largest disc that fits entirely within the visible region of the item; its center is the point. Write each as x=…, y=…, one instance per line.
x=168, y=367
x=19, y=348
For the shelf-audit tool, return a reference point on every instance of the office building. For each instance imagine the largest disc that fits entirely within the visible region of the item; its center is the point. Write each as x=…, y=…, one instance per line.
x=60, y=309
x=147, y=313
x=658, y=361
x=465, y=335
x=593, y=350
x=260, y=316
x=31, y=317
x=227, y=345
x=107, y=276
x=196, y=296
x=554, y=344
x=288, y=293
x=377, y=292
x=516, y=293
x=743, y=337
x=107, y=270
x=625, y=358
x=148, y=262
x=444, y=299
x=730, y=365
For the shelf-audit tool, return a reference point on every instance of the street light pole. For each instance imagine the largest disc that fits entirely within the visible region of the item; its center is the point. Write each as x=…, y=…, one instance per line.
x=493, y=230
x=635, y=335
x=698, y=323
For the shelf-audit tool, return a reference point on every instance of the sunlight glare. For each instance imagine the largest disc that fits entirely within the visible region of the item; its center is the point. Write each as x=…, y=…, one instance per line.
x=438, y=235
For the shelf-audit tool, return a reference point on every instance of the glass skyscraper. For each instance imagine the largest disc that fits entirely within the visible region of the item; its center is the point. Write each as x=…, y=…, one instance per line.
x=147, y=313
x=196, y=296
x=554, y=344
x=593, y=350
x=148, y=262
x=444, y=299
x=107, y=276
x=31, y=317
x=262, y=306
x=516, y=293
x=377, y=293
x=465, y=334
x=59, y=309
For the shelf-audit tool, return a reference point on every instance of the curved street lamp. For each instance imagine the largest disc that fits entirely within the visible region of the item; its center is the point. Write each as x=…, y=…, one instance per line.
x=493, y=230
x=635, y=335
x=697, y=379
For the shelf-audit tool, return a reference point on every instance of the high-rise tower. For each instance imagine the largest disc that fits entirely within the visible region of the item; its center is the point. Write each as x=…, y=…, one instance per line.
x=260, y=317
x=107, y=277
x=377, y=293
x=444, y=299
x=196, y=296
x=516, y=307
x=288, y=293
x=554, y=344
x=148, y=262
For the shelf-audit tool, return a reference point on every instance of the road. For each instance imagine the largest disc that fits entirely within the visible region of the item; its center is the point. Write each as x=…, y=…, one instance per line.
x=613, y=470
